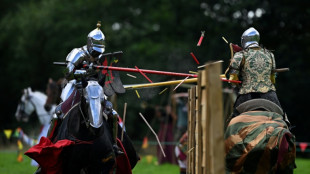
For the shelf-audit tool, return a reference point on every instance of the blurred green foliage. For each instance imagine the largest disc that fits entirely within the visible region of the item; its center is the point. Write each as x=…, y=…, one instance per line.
x=153, y=35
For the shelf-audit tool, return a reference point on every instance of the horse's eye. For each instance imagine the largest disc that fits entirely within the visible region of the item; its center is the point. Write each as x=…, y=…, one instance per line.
x=87, y=101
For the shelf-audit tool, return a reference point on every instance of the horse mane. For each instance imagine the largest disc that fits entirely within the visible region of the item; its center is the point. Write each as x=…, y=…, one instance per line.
x=39, y=99
x=40, y=95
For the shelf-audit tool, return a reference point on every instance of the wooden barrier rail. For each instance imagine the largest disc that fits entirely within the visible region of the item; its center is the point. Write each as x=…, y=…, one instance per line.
x=206, y=153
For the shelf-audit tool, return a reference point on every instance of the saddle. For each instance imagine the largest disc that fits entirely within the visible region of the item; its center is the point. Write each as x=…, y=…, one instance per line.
x=258, y=104
x=63, y=108
x=262, y=104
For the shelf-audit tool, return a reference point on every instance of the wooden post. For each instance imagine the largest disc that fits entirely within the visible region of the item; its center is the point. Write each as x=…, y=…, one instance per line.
x=198, y=127
x=193, y=117
x=191, y=131
x=205, y=123
x=189, y=134
x=215, y=146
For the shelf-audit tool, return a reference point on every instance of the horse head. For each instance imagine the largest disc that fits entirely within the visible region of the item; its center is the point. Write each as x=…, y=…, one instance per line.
x=25, y=107
x=53, y=91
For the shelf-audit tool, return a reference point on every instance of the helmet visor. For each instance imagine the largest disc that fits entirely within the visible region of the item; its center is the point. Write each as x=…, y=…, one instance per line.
x=98, y=49
x=98, y=45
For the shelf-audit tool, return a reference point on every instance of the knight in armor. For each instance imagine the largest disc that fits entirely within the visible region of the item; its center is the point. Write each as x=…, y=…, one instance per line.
x=89, y=54
x=255, y=67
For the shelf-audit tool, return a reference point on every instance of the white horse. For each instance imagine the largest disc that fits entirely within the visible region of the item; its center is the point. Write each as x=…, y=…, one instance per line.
x=34, y=101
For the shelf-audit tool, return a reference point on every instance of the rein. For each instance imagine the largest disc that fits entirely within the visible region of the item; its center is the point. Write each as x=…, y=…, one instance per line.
x=86, y=122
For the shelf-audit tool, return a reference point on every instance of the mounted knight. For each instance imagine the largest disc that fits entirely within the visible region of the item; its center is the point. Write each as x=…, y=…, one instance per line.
x=91, y=54
x=256, y=67
x=85, y=122
x=258, y=129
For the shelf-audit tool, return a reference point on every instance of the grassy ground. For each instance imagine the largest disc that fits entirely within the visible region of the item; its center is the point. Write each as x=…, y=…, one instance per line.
x=148, y=165
x=9, y=165
x=303, y=166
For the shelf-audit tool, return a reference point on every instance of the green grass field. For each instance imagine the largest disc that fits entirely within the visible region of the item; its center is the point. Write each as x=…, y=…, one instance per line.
x=9, y=165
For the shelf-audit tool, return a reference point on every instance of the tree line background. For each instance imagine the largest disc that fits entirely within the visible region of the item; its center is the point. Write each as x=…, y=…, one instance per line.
x=153, y=35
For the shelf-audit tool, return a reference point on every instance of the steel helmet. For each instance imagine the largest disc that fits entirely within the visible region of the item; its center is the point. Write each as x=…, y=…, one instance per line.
x=96, y=41
x=250, y=38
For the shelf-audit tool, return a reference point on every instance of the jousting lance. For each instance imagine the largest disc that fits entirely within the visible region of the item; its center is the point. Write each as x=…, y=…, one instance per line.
x=113, y=68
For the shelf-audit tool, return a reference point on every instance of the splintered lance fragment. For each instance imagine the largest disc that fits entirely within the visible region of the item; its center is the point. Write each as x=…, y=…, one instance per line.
x=180, y=83
x=131, y=76
x=163, y=91
x=137, y=94
x=161, y=148
x=193, y=72
x=201, y=37
x=225, y=39
x=194, y=57
x=143, y=74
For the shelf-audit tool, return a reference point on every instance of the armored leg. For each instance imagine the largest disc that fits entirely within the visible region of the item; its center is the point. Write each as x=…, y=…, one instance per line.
x=53, y=126
x=114, y=126
x=55, y=122
x=113, y=121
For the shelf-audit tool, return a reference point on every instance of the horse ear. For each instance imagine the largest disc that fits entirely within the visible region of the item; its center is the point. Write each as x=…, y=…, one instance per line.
x=29, y=90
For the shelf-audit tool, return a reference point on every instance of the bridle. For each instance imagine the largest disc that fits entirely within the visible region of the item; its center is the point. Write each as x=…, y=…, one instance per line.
x=22, y=104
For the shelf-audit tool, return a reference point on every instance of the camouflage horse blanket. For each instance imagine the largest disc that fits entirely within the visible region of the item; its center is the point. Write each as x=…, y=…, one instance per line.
x=259, y=142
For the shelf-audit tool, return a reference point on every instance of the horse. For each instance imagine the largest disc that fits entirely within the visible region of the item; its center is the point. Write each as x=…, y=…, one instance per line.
x=82, y=142
x=32, y=101
x=53, y=91
x=35, y=101
x=259, y=140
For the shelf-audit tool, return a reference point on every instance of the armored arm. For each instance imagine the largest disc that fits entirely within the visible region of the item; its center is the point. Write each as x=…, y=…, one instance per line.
x=74, y=59
x=235, y=67
x=273, y=71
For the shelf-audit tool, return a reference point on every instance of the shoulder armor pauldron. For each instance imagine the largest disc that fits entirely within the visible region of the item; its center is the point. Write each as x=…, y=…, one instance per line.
x=76, y=56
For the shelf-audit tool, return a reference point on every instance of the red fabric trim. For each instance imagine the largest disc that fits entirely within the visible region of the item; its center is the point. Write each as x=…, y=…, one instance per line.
x=47, y=154
x=75, y=97
x=283, y=148
x=107, y=72
x=236, y=48
x=182, y=156
x=122, y=161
